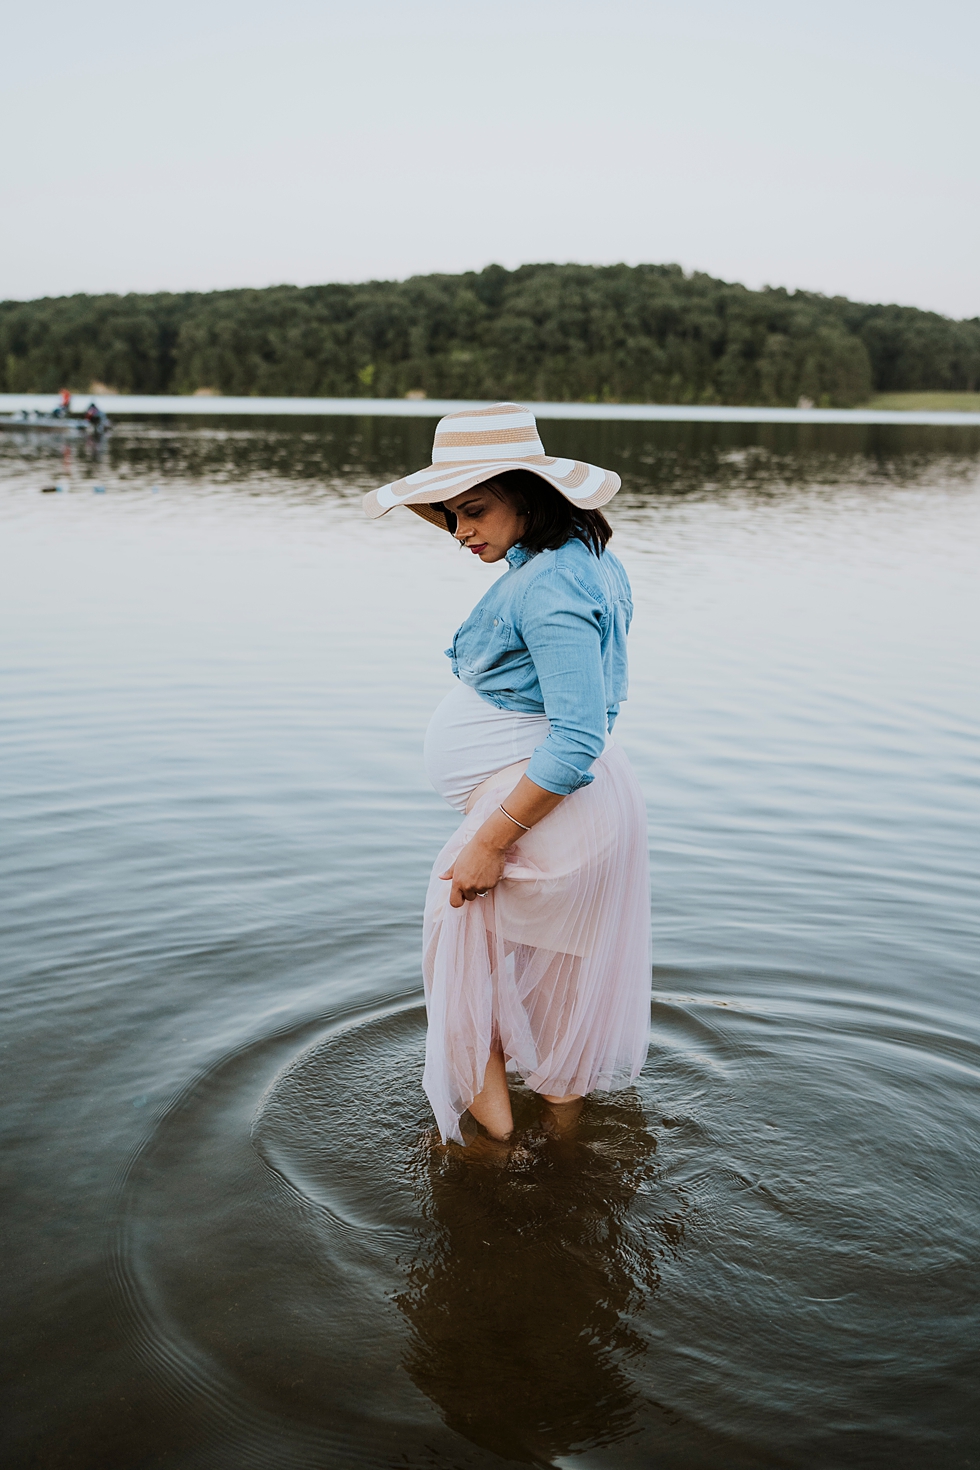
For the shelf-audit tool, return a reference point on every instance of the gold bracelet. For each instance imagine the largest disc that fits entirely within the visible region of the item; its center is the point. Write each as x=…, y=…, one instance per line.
x=513, y=819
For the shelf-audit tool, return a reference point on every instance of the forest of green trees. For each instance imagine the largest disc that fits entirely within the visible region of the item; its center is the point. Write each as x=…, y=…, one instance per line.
x=645, y=333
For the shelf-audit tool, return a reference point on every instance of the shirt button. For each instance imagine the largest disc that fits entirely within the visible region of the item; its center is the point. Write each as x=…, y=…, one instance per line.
x=496, y=621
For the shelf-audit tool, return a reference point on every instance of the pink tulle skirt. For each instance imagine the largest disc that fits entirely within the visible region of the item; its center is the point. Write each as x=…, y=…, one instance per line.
x=555, y=961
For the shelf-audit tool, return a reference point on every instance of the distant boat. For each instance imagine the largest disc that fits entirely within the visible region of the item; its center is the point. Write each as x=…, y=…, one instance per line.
x=59, y=422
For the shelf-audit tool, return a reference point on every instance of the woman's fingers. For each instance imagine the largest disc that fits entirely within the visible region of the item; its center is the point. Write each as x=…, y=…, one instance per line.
x=459, y=896
x=473, y=874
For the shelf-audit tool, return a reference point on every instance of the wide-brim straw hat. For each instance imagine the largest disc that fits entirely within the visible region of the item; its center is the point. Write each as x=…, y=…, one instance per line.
x=479, y=443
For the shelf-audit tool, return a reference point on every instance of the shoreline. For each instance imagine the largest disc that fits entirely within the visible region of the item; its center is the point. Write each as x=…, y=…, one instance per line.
x=433, y=408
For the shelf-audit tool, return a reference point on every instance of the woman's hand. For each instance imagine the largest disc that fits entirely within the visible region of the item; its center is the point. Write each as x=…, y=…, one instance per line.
x=478, y=868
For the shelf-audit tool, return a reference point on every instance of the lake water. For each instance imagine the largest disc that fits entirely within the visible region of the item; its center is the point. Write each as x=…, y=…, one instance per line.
x=228, y=1242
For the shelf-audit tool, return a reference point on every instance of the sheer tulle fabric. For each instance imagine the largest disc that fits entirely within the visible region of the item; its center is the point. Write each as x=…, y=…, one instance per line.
x=555, y=961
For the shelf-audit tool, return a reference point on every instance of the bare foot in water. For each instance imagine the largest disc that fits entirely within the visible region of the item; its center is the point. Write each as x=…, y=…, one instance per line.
x=560, y=1118
x=486, y=1150
x=478, y=1145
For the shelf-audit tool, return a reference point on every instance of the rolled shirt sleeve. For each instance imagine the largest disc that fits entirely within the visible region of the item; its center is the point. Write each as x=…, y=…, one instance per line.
x=560, y=623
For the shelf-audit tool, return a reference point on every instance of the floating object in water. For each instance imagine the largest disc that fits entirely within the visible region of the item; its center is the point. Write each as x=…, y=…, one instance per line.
x=98, y=489
x=49, y=489
x=38, y=420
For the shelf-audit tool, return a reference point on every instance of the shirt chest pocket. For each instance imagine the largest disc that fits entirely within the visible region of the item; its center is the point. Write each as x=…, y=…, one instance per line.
x=486, y=645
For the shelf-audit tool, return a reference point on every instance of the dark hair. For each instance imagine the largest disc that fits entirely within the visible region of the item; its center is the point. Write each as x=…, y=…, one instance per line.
x=552, y=520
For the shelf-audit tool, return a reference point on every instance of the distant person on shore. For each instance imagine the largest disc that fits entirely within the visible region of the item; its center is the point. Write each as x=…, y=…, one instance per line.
x=537, y=921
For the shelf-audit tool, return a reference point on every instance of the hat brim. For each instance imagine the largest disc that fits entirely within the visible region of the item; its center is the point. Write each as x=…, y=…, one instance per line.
x=583, y=485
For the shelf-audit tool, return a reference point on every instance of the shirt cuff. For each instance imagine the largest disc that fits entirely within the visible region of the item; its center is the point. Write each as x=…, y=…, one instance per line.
x=559, y=777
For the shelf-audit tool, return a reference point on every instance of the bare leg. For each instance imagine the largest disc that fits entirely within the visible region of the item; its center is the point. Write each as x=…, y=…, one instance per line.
x=491, y=1107
x=561, y=1114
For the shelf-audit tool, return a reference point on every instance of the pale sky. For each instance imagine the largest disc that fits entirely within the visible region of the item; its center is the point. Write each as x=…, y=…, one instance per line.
x=834, y=147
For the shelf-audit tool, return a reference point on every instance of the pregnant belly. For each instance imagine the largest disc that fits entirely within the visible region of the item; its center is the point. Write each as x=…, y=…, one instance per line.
x=469, y=740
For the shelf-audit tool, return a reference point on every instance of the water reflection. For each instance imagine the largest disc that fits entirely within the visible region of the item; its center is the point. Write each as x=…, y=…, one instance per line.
x=342, y=455
x=521, y=1299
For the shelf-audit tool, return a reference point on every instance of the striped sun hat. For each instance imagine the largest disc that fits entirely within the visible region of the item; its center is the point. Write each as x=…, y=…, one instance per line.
x=478, y=443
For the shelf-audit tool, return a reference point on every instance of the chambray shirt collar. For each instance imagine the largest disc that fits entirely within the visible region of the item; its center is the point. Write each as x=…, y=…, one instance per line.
x=517, y=556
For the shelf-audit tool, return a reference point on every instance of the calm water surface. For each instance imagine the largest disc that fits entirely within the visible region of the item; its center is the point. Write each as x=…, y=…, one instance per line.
x=228, y=1242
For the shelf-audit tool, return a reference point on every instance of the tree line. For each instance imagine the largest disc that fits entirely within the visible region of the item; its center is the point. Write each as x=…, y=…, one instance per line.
x=647, y=333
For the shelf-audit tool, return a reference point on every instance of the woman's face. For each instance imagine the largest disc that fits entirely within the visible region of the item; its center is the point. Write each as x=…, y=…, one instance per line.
x=486, y=524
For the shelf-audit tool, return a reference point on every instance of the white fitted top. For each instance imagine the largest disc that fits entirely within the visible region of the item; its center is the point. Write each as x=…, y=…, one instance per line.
x=469, y=739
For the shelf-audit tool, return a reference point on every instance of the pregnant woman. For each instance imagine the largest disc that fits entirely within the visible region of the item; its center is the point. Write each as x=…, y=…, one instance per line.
x=537, y=920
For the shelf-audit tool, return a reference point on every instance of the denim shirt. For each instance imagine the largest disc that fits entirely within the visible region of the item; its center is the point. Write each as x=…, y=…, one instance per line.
x=549, y=637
